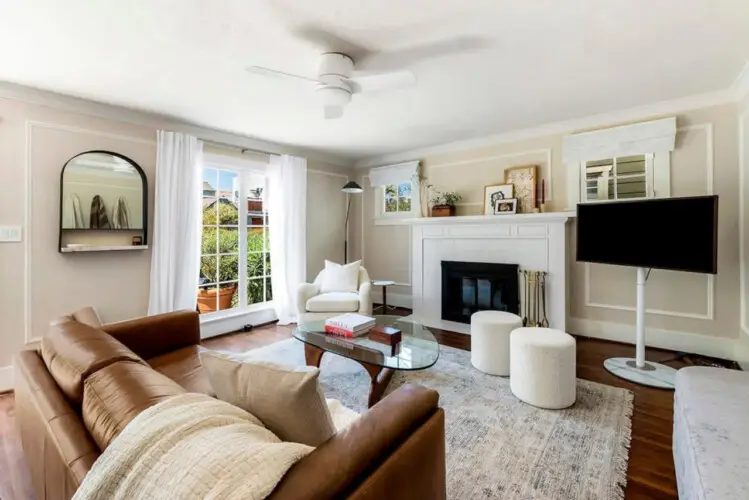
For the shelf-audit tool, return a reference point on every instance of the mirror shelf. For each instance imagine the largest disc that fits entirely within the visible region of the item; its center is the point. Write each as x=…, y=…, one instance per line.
x=109, y=229
x=102, y=248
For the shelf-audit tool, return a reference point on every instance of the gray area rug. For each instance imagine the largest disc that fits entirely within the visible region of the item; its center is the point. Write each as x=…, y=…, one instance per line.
x=497, y=446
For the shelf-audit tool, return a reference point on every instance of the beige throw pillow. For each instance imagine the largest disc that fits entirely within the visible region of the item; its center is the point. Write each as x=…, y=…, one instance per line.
x=286, y=399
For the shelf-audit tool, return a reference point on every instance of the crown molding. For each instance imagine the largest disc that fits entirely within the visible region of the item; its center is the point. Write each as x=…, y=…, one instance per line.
x=741, y=84
x=114, y=112
x=562, y=127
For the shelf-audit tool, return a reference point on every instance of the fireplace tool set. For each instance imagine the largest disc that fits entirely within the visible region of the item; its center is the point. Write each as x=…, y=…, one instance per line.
x=533, y=298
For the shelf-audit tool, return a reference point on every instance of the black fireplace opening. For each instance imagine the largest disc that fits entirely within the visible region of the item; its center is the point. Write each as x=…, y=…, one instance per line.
x=468, y=287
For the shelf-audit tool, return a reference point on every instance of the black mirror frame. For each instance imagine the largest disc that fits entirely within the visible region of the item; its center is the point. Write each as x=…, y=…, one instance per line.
x=143, y=179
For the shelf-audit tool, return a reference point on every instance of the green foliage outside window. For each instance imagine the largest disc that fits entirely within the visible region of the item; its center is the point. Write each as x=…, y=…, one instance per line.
x=225, y=268
x=398, y=198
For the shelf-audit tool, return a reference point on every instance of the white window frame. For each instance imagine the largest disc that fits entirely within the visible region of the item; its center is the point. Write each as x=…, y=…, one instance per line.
x=383, y=218
x=649, y=181
x=242, y=167
x=660, y=186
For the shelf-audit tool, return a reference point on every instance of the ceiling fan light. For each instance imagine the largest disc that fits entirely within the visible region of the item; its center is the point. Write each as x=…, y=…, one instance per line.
x=334, y=99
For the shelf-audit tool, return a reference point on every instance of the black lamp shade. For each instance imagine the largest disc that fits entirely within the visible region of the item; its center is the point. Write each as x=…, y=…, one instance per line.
x=352, y=188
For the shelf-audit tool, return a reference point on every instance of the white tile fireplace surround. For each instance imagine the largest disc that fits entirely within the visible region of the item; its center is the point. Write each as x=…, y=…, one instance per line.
x=533, y=241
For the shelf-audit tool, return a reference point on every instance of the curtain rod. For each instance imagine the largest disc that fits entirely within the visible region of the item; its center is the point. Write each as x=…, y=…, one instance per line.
x=242, y=149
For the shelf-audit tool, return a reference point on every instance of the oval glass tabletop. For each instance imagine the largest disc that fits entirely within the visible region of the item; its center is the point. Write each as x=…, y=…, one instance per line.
x=417, y=350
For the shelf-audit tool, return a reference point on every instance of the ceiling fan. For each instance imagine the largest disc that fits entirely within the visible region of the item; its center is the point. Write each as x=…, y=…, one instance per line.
x=346, y=68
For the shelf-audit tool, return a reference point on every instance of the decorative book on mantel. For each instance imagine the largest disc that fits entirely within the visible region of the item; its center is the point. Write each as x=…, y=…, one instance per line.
x=349, y=325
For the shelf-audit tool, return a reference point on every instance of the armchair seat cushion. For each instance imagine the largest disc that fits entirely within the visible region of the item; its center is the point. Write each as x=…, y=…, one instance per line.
x=334, y=302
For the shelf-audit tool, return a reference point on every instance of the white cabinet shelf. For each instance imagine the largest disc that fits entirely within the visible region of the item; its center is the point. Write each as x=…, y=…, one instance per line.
x=85, y=248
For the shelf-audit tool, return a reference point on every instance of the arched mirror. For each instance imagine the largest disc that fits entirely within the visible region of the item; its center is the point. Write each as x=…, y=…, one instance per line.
x=103, y=203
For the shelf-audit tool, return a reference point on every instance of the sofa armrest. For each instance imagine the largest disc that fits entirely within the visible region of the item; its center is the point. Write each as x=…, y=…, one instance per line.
x=154, y=335
x=340, y=464
x=365, y=299
x=305, y=292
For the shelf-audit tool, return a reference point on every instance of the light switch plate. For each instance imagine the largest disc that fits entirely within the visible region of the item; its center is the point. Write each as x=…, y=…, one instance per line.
x=10, y=234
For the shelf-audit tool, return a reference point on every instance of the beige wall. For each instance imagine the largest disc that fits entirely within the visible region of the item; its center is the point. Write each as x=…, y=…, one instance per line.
x=743, y=351
x=706, y=149
x=326, y=215
x=37, y=283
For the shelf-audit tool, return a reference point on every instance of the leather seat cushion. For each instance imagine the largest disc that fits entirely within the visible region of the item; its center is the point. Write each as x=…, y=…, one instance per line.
x=334, y=302
x=115, y=395
x=72, y=351
x=184, y=367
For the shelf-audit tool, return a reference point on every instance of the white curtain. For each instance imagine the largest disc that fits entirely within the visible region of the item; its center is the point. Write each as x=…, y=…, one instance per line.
x=287, y=216
x=175, y=258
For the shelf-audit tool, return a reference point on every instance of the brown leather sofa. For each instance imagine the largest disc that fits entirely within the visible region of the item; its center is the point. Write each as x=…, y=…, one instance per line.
x=78, y=391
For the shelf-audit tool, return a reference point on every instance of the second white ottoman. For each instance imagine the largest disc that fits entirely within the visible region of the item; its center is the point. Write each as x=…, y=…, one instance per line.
x=543, y=367
x=490, y=340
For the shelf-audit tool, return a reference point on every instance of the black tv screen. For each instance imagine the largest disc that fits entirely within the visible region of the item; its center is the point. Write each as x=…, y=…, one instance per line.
x=667, y=233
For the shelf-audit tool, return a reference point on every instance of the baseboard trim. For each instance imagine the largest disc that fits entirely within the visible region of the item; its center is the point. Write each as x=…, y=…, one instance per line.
x=394, y=299
x=716, y=347
x=230, y=324
x=6, y=378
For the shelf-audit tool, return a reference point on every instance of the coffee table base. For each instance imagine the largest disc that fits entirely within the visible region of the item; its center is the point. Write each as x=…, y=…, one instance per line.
x=380, y=375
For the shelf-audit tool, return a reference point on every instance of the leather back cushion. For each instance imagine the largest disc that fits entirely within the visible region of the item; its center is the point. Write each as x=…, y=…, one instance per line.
x=72, y=351
x=116, y=394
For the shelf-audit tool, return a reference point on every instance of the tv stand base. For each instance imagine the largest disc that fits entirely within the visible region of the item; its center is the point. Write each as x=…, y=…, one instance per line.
x=651, y=374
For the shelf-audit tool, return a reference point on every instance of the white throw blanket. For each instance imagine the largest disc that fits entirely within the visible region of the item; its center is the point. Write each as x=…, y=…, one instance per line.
x=191, y=446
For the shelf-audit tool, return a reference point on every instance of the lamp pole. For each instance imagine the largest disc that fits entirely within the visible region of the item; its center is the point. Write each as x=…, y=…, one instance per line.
x=350, y=188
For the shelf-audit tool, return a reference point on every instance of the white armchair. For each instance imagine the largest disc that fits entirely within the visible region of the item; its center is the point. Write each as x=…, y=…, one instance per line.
x=315, y=306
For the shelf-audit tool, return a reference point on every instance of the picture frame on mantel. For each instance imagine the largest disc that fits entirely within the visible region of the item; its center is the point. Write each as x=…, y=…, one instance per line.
x=524, y=179
x=506, y=207
x=494, y=193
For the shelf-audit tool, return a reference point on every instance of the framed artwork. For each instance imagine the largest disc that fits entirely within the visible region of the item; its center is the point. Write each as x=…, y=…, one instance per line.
x=494, y=193
x=524, y=181
x=506, y=207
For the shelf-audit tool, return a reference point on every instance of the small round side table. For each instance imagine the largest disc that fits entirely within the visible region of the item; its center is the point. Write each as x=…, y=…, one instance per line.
x=384, y=285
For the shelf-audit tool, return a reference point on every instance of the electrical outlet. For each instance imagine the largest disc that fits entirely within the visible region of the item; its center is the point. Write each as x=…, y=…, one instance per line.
x=10, y=234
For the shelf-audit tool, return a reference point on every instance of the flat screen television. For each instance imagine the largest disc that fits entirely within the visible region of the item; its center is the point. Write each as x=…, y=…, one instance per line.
x=680, y=234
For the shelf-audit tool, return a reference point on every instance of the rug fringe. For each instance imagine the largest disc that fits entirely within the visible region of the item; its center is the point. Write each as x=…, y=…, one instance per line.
x=621, y=459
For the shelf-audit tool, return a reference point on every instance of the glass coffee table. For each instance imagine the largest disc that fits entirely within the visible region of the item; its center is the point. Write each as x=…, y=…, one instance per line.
x=417, y=350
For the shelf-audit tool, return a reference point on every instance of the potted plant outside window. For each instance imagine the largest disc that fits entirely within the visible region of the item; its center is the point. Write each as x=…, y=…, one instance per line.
x=443, y=203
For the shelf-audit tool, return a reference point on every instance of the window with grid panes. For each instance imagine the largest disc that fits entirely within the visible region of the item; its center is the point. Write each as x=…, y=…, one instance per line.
x=235, y=267
x=397, y=198
x=626, y=177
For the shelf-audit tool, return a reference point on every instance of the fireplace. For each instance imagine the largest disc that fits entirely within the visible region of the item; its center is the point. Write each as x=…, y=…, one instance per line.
x=468, y=287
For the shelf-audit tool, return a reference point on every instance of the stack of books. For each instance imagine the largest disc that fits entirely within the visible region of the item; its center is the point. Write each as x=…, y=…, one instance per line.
x=349, y=325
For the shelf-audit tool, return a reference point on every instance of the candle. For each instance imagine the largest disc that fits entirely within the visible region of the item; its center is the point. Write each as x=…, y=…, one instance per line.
x=543, y=191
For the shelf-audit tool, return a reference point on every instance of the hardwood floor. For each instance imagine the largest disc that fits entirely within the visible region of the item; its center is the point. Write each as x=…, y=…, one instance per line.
x=651, y=468
x=15, y=482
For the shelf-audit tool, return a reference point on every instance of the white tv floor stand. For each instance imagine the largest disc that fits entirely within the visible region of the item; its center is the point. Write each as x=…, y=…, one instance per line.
x=637, y=369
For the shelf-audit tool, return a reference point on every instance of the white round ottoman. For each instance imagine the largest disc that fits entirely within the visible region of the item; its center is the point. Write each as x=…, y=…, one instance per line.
x=490, y=340
x=543, y=367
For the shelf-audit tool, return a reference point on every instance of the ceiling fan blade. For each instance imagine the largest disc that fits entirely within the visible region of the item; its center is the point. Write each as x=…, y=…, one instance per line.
x=380, y=82
x=333, y=112
x=327, y=41
x=400, y=59
x=259, y=70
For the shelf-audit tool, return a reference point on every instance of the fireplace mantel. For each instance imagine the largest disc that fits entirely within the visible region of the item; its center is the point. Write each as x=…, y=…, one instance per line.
x=535, y=242
x=548, y=217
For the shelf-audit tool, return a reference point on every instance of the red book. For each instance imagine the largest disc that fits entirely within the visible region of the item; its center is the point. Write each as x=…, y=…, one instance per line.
x=337, y=330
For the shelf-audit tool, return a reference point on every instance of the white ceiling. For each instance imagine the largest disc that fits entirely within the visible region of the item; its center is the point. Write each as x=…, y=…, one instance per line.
x=546, y=61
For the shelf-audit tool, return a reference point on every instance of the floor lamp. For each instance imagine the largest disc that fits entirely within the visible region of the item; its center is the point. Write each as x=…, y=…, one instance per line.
x=350, y=188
